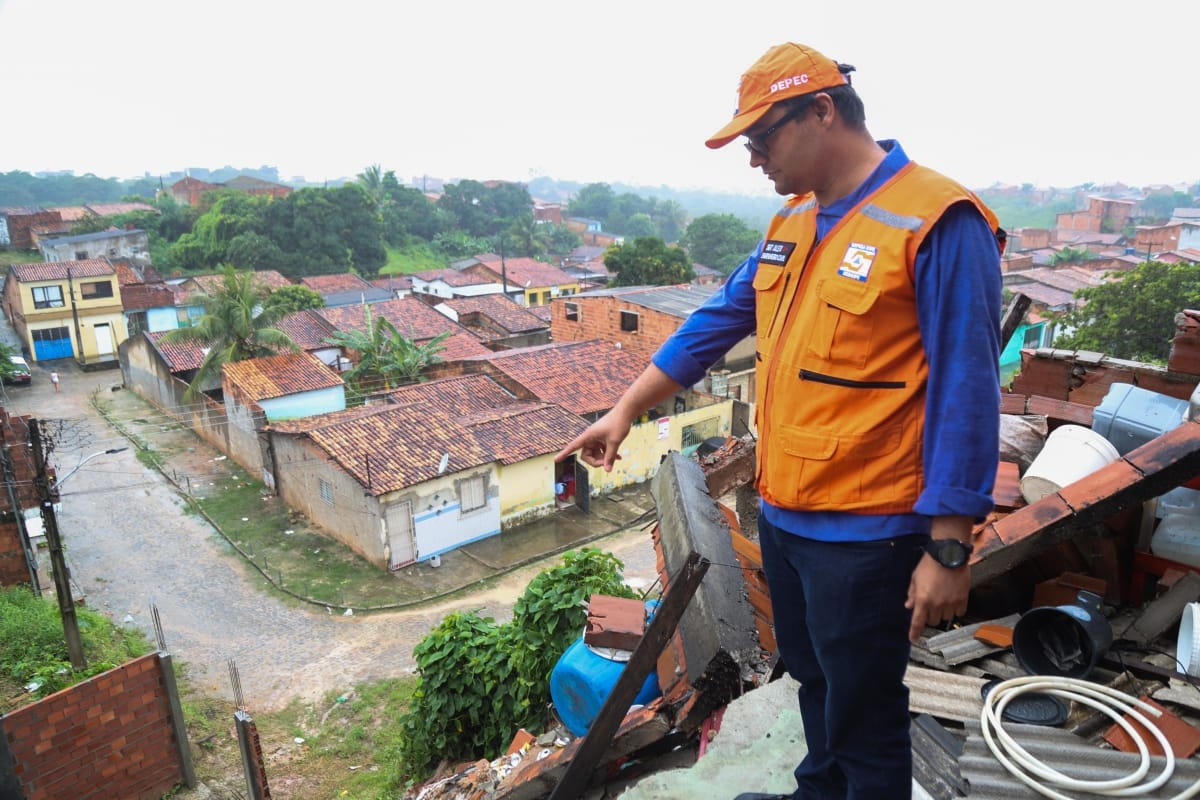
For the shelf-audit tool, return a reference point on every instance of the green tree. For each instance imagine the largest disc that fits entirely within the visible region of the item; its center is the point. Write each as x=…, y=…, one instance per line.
x=1157, y=208
x=720, y=241
x=594, y=201
x=386, y=359
x=235, y=326
x=648, y=262
x=371, y=180
x=483, y=210
x=1071, y=255
x=670, y=218
x=1134, y=318
x=290, y=299
x=7, y=368
x=230, y=215
x=559, y=239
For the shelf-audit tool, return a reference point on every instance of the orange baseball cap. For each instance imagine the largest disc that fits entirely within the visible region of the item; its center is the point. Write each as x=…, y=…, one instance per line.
x=786, y=70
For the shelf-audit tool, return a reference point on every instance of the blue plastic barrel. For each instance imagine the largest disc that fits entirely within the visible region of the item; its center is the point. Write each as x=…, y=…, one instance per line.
x=583, y=679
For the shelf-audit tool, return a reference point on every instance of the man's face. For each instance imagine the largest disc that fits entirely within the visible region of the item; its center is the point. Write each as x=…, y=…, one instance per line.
x=784, y=144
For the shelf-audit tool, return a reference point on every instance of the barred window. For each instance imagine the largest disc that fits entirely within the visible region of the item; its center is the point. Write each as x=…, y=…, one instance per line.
x=326, y=490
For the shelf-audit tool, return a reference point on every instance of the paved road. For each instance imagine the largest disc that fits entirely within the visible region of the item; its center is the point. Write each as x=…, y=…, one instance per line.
x=131, y=548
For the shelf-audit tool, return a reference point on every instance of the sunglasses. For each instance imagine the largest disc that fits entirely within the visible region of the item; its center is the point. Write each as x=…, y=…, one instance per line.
x=756, y=143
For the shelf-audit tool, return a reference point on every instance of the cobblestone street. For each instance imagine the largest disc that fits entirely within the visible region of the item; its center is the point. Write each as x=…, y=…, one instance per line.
x=132, y=547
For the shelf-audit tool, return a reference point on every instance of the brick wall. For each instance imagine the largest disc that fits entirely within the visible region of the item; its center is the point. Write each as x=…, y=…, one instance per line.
x=111, y=736
x=20, y=227
x=14, y=436
x=600, y=318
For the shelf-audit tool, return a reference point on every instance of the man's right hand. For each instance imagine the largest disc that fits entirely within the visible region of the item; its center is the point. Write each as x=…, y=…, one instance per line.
x=598, y=444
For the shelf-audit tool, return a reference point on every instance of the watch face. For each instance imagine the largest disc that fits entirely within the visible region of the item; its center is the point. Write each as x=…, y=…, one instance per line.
x=949, y=552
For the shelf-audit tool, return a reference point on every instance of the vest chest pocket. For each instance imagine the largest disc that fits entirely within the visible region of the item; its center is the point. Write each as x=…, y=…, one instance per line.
x=844, y=326
x=769, y=295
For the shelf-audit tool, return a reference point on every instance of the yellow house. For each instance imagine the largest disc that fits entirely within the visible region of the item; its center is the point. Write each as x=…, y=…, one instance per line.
x=66, y=309
x=528, y=281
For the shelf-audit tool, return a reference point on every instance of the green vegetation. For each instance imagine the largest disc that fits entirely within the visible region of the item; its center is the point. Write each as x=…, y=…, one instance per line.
x=386, y=358
x=237, y=325
x=480, y=681
x=647, y=261
x=720, y=241
x=34, y=661
x=1133, y=318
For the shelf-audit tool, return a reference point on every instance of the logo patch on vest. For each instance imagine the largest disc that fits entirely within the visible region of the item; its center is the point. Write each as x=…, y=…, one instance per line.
x=856, y=264
x=776, y=252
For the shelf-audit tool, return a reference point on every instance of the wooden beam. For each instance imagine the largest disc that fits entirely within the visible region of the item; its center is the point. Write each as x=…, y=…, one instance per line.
x=662, y=626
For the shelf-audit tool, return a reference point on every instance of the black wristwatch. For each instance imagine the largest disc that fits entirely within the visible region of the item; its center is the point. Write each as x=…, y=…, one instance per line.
x=950, y=553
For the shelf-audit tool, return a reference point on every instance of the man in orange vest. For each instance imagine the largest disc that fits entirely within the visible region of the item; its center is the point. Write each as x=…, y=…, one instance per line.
x=875, y=300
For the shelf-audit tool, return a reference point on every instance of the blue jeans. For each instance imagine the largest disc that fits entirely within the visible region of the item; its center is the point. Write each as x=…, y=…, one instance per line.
x=842, y=631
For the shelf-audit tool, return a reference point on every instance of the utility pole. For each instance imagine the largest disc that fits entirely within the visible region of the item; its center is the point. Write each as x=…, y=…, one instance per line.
x=58, y=563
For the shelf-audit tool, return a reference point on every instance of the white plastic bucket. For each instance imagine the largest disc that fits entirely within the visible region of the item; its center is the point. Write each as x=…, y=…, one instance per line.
x=1071, y=452
x=1187, y=646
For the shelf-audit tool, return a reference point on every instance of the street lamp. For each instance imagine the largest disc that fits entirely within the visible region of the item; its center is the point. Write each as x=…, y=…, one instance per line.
x=83, y=461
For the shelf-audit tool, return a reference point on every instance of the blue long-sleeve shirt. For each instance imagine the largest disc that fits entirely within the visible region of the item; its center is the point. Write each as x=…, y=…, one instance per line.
x=958, y=309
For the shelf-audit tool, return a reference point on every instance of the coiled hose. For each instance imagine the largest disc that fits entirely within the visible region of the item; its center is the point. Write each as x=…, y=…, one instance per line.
x=1111, y=702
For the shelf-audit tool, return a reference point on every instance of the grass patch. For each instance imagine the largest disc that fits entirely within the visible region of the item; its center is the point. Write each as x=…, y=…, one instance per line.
x=282, y=544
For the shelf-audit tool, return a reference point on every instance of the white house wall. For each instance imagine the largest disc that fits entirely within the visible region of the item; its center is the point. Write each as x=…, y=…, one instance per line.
x=440, y=525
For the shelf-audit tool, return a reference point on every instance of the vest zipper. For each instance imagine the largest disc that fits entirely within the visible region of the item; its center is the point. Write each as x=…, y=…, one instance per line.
x=817, y=377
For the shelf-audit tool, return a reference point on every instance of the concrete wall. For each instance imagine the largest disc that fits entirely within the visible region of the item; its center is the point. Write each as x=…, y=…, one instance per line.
x=123, y=244
x=113, y=735
x=352, y=517
x=526, y=490
x=318, y=401
x=649, y=441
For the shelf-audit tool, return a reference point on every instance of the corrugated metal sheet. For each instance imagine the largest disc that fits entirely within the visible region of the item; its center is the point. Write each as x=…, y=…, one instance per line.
x=1062, y=751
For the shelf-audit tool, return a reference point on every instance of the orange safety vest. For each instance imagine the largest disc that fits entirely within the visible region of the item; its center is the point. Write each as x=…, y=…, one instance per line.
x=841, y=369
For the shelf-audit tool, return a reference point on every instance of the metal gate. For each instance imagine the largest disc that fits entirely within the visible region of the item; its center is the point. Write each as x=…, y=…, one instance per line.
x=401, y=541
x=51, y=343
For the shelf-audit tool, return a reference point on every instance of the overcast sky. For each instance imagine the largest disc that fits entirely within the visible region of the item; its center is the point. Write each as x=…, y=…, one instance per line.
x=1053, y=92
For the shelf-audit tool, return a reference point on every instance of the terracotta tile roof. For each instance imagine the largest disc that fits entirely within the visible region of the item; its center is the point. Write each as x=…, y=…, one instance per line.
x=125, y=273
x=461, y=344
x=412, y=318
x=454, y=397
x=57, y=270
x=583, y=377
x=450, y=277
x=500, y=310
x=395, y=447
x=328, y=284
x=528, y=272
x=271, y=279
x=180, y=356
x=306, y=328
x=393, y=283
x=541, y=312
x=72, y=213
x=112, y=209
x=278, y=376
x=521, y=431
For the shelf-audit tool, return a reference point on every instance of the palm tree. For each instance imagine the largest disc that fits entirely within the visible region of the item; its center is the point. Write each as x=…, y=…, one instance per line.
x=371, y=179
x=386, y=357
x=235, y=326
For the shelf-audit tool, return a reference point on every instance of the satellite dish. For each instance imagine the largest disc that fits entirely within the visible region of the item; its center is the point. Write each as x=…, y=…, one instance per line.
x=443, y=463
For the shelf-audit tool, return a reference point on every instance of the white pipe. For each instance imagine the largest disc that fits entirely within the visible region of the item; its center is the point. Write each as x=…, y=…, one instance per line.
x=1113, y=703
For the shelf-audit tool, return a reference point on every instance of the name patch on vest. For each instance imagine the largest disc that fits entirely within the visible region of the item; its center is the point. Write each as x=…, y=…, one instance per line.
x=856, y=264
x=776, y=252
